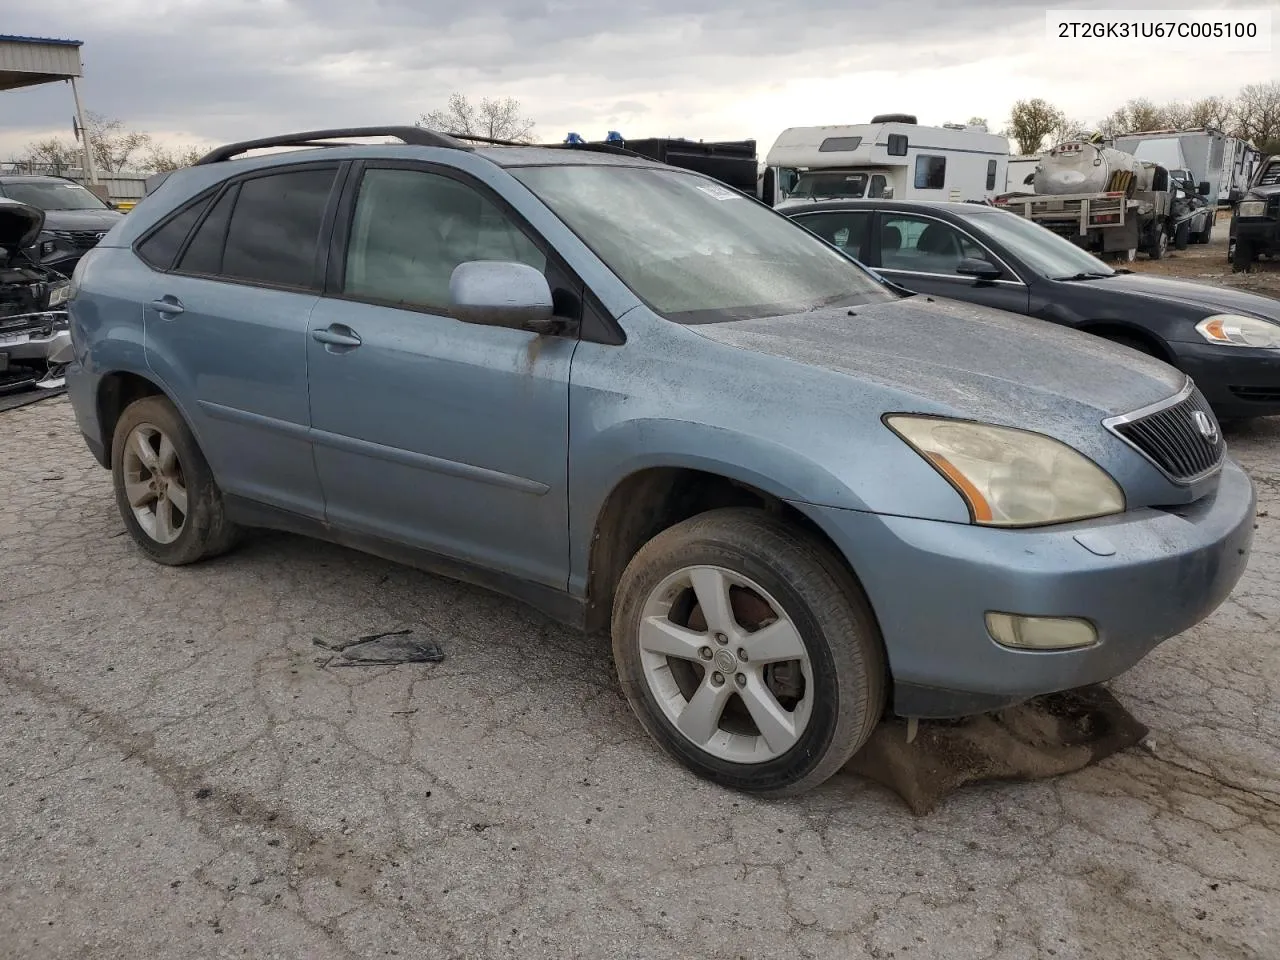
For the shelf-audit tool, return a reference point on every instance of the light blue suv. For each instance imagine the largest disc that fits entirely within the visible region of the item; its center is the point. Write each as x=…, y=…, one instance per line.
x=796, y=495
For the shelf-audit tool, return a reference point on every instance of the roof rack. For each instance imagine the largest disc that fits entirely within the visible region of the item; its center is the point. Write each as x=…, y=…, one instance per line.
x=595, y=147
x=415, y=136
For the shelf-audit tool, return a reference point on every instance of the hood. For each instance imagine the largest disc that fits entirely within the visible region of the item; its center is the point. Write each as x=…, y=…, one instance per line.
x=1262, y=192
x=1202, y=296
x=973, y=361
x=19, y=225
x=82, y=219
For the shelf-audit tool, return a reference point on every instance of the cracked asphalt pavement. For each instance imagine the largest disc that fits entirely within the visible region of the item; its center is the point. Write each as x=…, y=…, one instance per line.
x=179, y=777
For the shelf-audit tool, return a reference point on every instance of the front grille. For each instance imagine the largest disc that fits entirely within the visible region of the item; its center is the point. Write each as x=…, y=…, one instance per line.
x=1181, y=435
x=82, y=239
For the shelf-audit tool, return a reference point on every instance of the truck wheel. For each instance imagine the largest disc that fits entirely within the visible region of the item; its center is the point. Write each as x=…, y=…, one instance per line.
x=1242, y=257
x=1205, y=235
x=166, y=493
x=1158, y=249
x=1182, y=237
x=748, y=652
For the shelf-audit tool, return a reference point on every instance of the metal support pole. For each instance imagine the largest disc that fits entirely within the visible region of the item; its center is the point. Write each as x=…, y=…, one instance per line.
x=89, y=167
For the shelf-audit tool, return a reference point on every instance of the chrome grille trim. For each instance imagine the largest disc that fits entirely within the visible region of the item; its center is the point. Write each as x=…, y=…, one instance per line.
x=1167, y=436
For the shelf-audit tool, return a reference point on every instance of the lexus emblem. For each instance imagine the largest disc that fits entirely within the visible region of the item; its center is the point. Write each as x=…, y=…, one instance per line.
x=1208, y=429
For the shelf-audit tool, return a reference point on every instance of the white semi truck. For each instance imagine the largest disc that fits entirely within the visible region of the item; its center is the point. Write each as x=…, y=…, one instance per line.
x=1224, y=163
x=892, y=156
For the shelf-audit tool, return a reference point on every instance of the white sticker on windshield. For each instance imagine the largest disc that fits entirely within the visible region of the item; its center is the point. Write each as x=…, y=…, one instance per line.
x=717, y=191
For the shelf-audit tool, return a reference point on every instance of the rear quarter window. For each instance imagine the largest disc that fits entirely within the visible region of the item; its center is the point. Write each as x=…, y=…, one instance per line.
x=162, y=245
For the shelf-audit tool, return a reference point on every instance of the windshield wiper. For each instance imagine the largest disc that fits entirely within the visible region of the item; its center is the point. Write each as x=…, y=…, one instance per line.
x=1086, y=276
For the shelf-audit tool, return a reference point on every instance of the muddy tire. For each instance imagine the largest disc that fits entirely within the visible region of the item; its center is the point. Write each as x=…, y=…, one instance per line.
x=1159, y=249
x=748, y=652
x=1182, y=238
x=1243, y=257
x=164, y=488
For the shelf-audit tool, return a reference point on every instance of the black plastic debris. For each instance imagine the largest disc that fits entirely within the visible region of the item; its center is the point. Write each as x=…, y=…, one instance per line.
x=381, y=649
x=1045, y=737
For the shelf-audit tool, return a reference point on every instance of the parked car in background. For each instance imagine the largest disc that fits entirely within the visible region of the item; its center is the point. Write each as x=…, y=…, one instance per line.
x=35, y=344
x=648, y=404
x=1255, y=223
x=75, y=219
x=1227, y=340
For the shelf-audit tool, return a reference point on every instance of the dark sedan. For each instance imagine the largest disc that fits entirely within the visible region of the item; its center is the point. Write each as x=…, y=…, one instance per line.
x=1227, y=340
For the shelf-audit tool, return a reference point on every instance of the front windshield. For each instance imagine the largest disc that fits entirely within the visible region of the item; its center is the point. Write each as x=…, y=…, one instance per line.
x=696, y=251
x=830, y=185
x=53, y=195
x=1041, y=248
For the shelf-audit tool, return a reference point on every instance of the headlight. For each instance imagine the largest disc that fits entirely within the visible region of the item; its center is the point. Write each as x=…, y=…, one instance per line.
x=1252, y=208
x=1232, y=330
x=59, y=295
x=1008, y=477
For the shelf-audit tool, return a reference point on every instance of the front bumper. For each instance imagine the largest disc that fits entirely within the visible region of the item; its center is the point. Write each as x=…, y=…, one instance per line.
x=931, y=584
x=1263, y=233
x=36, y=358
x=1238, y=382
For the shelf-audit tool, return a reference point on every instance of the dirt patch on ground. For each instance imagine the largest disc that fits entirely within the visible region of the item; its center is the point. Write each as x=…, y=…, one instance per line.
x=1208, y=264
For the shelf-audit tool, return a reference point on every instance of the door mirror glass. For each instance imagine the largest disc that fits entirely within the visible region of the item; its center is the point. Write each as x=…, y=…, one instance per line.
x=500, y=293
x=1204, y=188
x=980, y=269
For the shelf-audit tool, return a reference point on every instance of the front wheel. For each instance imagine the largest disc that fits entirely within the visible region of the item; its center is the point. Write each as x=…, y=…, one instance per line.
x=748, y=652
x=1182, y=238
x=1242, y=257
x=1160, y=248
x=166, y=493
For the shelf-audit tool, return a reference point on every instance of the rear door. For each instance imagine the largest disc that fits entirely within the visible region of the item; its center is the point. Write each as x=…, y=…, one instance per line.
x=922, y=253
x=226, y=328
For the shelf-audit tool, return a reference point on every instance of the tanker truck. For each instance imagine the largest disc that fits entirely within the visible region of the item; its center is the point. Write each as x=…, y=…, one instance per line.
x=1102, y=199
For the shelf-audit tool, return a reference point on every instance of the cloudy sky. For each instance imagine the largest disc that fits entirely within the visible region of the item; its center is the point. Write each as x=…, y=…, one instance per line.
x=203, y=71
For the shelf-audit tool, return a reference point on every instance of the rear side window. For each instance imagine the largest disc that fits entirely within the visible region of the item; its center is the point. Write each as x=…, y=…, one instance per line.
x=204, y=252
x=991, y=174
x=897, y=146
x=275, y=228
x=159, y=249
x=931, y=172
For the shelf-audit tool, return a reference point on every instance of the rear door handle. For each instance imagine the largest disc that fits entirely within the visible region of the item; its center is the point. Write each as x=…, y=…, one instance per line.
x=337, y=335
x=167, y=305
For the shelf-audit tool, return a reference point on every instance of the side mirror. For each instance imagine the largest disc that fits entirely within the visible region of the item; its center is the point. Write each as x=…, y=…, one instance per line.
x=887, y=194
x=978, y=269
x=1204, y=188
x=498, y=293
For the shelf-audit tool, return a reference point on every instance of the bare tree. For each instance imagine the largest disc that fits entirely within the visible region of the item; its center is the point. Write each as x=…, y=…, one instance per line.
x=161, y=159
x=1216, y=112
x=1030, y=121
x=1068, y=129
x=1137, y=114
x=1258, y=115
x=497, y=119
x=113, y=146
x=976, y=122
x=52, y=155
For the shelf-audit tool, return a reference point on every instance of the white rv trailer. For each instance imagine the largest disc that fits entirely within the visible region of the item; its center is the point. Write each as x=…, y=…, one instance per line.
x=1225, y=163
x=1022, y=173
x=890, y=156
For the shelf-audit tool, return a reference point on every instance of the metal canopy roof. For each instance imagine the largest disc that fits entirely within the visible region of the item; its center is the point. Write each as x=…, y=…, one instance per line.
x=27, y=61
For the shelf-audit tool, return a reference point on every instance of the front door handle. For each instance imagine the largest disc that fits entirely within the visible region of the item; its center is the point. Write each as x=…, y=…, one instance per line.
x=167, y=306
x=337, y=335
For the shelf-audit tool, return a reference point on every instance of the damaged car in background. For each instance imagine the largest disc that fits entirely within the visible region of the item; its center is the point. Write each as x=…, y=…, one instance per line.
x=35, y=344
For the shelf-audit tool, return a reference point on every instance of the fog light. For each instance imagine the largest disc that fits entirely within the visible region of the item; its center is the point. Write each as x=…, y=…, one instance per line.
x=1040, y=633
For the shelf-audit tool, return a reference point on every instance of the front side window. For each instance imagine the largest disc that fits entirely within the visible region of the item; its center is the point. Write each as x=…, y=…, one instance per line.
x=921, y=245
x=694, y=250
x=846, y=229
x=53, y=195
x=931, y=172
x=412, y=228
x=274, y=231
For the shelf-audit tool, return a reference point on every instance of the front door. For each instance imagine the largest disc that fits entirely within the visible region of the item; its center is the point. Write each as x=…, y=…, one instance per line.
x=922, y=253
x=447, y=436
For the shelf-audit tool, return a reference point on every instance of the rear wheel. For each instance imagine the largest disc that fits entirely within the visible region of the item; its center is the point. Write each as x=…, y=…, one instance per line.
x=748, y=652
x=1160, y=247
x=1205, y=235
x=1182, y=238
x=166, y=493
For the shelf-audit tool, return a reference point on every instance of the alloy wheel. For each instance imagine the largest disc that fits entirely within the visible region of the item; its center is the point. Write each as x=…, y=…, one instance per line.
x=154, y=483
x=726, y=664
